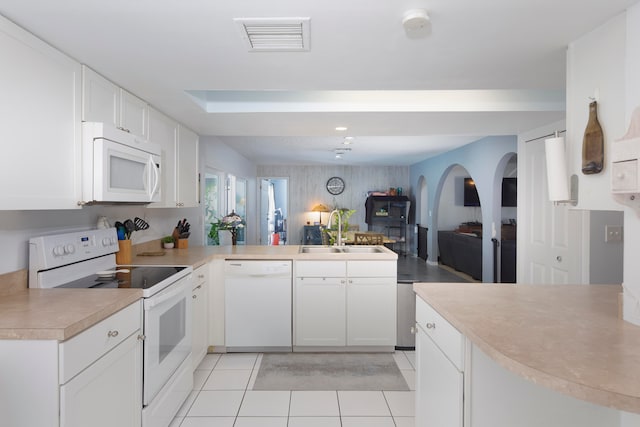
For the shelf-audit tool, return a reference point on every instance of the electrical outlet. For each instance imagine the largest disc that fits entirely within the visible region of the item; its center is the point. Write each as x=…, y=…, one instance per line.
x=613, y=233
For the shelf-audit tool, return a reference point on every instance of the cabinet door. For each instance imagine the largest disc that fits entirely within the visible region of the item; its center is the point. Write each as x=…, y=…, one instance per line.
x=439, y=386
x=109, y=392
x=100, y=98
x=320, y=311
x=187, y=168
x=164, y=131
x=134, y=115
x=200, y=311
x=371, y=311
x=40, y=131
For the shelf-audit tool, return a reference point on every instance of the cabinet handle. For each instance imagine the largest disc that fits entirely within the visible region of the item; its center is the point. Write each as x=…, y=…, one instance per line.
x=112, y=334
x=430, y=325
x=142, y=337
x=194, y=296
x=200, y=276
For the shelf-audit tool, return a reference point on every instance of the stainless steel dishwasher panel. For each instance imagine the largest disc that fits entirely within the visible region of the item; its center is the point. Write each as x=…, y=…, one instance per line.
x=258, y=306
x=406, y=301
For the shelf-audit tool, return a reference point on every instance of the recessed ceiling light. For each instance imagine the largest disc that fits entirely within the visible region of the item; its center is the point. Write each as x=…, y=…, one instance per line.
x=341, y=128
x=347, y=140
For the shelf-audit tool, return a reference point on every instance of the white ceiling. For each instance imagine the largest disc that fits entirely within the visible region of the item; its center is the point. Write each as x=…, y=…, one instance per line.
x=495, y=67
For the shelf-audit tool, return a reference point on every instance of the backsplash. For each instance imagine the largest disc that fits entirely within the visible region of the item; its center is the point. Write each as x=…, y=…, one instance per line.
x=17, y=227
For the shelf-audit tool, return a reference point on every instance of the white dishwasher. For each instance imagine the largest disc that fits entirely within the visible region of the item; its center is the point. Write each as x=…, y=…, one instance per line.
x=258, y=306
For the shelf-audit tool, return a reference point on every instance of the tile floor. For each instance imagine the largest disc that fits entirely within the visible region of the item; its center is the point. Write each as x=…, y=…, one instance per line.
x=223, y=397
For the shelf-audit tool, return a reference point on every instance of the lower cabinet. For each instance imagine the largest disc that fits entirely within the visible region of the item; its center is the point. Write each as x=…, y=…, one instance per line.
x=93, y=379
x=345, y=303
x=320, y=311
x=439, y=382
x=200, y=329
x=457, y=385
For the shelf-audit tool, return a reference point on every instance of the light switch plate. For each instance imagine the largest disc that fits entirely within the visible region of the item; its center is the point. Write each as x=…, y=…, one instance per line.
x=613, y=233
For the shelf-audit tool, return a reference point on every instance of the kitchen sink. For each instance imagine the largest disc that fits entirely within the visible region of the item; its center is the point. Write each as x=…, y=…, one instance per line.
x=319, y=250
x=341, y=249
x=362, y=249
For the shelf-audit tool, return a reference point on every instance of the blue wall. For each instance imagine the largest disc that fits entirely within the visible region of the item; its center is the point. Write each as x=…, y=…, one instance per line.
x=485, y=161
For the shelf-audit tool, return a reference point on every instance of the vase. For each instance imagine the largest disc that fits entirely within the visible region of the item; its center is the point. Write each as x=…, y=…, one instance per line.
x=225, y=238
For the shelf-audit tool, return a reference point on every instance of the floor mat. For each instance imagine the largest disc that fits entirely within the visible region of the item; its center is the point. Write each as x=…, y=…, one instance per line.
x=329, y=371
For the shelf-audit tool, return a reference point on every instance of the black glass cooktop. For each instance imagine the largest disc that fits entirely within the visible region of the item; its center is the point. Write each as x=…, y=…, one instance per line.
x=136, y=278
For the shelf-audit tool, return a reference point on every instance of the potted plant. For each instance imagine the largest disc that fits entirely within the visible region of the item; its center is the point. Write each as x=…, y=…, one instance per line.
x=168, y=242
x=227, y=224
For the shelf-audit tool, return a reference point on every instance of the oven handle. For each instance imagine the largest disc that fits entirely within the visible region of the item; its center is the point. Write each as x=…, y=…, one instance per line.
x=157, y=300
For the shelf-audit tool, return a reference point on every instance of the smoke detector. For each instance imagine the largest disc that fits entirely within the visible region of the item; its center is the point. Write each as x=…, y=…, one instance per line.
x=416, y=22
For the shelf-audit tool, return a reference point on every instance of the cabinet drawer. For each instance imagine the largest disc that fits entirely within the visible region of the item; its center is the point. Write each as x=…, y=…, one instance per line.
x=446, y=337
x=372, y=268
x=85, y=348
x=321, y=268
x=201, y=276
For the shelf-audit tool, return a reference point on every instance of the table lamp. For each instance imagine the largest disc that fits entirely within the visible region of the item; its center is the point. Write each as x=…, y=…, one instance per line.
x=320, y=208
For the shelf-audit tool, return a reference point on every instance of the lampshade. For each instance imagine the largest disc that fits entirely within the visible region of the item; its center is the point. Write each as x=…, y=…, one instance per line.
x=557, y=177
x=320, y=208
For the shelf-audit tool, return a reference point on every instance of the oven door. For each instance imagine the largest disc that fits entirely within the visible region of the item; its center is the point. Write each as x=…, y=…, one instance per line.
x=167, y=330
x=124, y=174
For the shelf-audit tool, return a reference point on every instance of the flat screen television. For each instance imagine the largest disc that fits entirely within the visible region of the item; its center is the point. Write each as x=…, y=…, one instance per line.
x=471, y=197
x=510, y=192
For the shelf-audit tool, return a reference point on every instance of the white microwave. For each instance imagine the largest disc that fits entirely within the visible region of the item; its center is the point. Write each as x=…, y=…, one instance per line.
x=117, y=167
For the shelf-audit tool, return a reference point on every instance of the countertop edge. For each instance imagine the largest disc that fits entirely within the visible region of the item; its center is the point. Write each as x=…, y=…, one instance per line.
x=585, y=392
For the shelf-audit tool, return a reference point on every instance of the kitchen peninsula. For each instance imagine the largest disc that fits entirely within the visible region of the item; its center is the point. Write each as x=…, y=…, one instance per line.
x=530, y=355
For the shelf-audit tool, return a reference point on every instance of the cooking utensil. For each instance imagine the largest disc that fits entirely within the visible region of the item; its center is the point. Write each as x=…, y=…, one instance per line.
x=120, y=229
x=140, y=224
x=130, y=227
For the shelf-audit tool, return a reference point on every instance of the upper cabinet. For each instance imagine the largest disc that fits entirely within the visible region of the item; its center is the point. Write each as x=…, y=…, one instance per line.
x=179, y=168
x=41, y=95
x=103, y=101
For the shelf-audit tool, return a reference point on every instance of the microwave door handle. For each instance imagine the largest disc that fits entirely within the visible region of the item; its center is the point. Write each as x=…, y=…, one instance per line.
x=156, y=176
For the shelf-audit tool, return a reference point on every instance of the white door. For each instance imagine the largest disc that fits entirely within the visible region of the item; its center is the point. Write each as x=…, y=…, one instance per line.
x=320, y=311
x=371, y=311
x=107, y=393
x=439, y=386
x=549, y=242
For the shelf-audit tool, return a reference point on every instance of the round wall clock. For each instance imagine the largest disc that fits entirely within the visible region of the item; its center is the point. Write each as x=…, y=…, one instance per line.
x=335, y=185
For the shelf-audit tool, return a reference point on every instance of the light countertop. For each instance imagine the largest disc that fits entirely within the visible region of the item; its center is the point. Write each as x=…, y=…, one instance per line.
x=59, y=314
x=565, y=337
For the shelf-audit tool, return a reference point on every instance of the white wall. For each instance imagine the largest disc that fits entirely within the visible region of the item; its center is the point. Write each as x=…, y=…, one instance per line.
x=307, y=188
x=217, y=155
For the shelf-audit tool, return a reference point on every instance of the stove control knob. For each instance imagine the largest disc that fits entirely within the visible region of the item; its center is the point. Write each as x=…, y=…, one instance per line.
x=106, y=241
x=58, y=250
x=69, y=249
x=114, y=240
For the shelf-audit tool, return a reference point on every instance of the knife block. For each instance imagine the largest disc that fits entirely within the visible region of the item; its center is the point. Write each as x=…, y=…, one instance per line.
x=123, y=256
x=182, y=244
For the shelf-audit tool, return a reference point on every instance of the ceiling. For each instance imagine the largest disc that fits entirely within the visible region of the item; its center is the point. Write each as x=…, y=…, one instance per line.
x=478, y=68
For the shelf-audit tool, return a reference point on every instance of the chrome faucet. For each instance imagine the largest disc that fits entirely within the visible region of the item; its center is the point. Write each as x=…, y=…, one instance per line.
x=339, y=232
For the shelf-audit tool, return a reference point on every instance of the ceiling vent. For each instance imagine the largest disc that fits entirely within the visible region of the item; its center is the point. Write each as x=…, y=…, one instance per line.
x=275, y=34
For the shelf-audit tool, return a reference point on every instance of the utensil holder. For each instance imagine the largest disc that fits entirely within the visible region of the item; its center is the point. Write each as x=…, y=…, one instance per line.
x=123, y=256
x=183, y=244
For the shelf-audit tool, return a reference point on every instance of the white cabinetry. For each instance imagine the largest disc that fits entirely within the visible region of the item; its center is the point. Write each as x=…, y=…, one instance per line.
x=320, y=303
x=94, y=378
x=439, y=370
x=371, y=303
x=179, y=167
x=200, y=330
x=457, y=385
x=345, y=303
x=103, y=101
x=40, y=132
